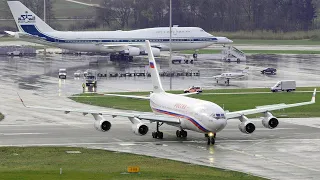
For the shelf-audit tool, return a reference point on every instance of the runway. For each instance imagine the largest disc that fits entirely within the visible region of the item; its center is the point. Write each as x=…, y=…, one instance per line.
x=289, y=152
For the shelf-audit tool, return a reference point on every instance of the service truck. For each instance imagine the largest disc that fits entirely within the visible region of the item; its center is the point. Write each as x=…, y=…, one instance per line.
x=285, y=85
x=62, y=74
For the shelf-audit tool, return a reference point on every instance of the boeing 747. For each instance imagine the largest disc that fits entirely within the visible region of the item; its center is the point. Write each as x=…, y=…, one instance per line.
x=120, y=44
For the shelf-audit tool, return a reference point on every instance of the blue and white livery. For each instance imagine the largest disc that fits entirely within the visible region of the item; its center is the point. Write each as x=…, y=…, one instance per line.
x=132, y=43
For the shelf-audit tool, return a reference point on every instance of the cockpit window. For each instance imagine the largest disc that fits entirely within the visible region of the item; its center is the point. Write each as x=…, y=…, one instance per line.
x=218, y=116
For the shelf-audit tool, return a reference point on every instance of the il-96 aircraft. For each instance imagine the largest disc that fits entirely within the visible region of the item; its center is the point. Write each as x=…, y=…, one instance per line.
x=183, y=112
x=121, y=44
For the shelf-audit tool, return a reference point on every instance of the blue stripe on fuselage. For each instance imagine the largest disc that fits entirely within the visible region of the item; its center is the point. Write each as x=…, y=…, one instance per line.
x=193, y=121
x=32, y=29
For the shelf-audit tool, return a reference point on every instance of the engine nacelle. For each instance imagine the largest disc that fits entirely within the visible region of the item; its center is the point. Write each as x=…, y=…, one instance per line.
x=102, y=125
x=269, y=121
x=246, y=126
x=140, y=129
x=155, y=51
x=132, y=51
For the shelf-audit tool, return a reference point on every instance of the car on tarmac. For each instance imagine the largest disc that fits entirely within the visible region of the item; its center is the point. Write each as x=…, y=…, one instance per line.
x=193, y=89
x=77, y=74
x=269, y=71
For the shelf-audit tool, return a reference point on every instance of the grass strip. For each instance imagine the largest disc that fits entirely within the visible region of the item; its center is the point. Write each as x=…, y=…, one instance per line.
x=45, y=162
x=231, y=102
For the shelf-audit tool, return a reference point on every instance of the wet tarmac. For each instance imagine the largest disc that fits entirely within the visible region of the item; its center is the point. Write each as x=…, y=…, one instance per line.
x=41, y=73
x=289, y=152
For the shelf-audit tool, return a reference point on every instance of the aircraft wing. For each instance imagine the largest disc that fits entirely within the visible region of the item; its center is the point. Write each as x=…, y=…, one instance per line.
x=11, y=33
x=218, y=77
x=141, y=115
x=267, y=108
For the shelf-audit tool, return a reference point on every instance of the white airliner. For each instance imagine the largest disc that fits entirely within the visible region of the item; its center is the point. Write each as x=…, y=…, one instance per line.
x=126, y=43
x=180, y=111
x=231, y=75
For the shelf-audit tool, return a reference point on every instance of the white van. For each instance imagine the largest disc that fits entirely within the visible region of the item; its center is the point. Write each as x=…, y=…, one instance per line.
x=62, y=74
x=285, y=85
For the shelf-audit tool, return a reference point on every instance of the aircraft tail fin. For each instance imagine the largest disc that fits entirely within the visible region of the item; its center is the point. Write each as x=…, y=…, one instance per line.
x=26, y=20
x=156, y=82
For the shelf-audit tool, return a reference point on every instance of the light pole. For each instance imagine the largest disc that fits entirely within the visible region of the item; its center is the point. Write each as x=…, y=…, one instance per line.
x=44, y=19
x=44, y=10
x=170, y=40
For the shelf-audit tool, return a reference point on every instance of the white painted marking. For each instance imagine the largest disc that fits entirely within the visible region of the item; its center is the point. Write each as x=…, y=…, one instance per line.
x=128, y=144
x=18, y=134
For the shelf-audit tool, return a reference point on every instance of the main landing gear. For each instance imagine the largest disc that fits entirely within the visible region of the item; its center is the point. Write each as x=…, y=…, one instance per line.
x=181, y=134
x=158, y=134
x=227, y=82
x=211, y=138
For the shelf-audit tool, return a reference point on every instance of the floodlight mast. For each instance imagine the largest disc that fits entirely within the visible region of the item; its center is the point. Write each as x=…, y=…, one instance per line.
x=170, y=40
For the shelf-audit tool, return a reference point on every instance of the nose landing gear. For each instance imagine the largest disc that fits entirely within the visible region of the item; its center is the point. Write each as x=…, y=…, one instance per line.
x=211, y=138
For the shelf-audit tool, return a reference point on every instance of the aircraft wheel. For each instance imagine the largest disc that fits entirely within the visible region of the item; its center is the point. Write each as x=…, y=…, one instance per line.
x=178, y=133
x=212, y=140
x=154, y=135
x=184, y=133
x=160, y=135
x=208, y=142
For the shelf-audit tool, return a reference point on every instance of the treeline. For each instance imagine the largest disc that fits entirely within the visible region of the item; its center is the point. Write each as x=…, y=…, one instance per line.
x=211, y=15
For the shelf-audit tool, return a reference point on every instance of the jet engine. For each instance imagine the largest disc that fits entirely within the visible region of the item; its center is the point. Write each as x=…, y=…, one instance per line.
x=269, y=121
x=132, y=51
x=246, y=126
x=155, y=51
x=102, y=125
x=140, y=129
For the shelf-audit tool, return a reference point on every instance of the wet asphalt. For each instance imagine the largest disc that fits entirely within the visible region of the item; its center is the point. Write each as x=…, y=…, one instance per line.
x=289, y=152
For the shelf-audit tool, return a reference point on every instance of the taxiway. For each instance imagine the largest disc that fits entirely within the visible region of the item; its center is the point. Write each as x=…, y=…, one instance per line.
x=289, y=152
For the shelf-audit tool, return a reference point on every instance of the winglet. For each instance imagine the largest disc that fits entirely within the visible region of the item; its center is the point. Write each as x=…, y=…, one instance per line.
x=313, y=99
x=21, y=100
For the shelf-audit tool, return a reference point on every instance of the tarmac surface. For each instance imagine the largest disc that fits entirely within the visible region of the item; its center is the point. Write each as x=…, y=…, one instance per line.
x=288, y=152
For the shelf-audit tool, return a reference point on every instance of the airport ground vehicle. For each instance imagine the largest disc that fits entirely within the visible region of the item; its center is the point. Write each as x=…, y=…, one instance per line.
x=285, y=85
x=77, y=74
x=181, y=59
x=193, y=89
x=91, y=79
x=15, y=53
x=62, y=74
x=269, y=71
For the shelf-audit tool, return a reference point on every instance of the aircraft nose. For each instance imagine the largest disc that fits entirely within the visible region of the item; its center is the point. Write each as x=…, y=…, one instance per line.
x=218, y=124
x=230, y=41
